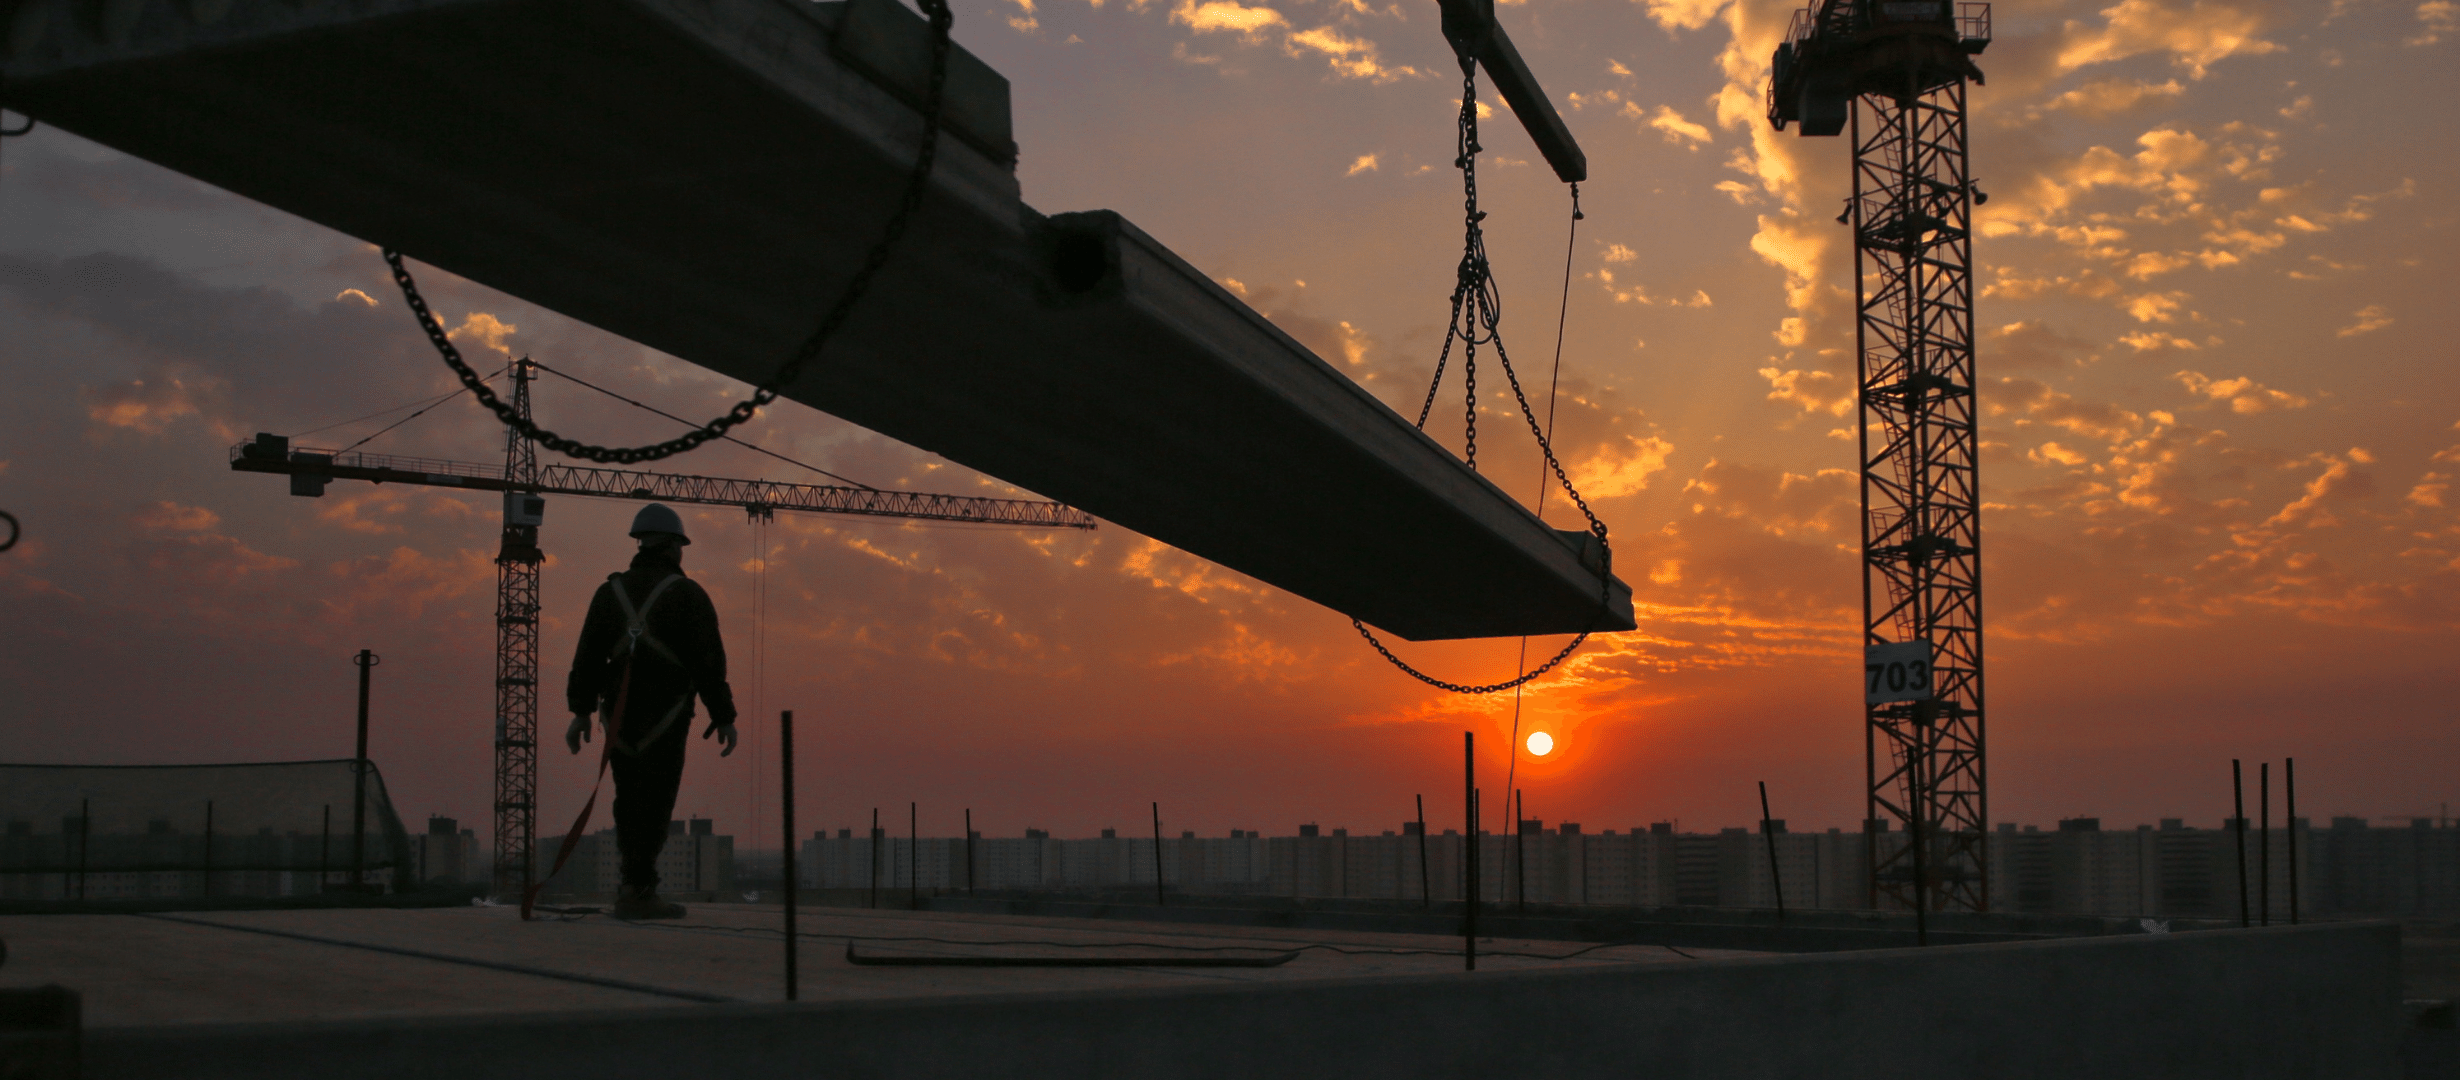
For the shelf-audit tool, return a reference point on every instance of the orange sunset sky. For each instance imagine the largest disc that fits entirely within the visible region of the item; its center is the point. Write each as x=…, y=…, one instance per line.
x=2219, y=439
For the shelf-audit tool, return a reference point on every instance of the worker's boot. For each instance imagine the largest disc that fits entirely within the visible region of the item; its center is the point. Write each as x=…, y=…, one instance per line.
x=642, y=902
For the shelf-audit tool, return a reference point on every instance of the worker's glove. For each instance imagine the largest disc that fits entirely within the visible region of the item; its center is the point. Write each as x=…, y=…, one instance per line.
x=578, y=732
x=725, y=736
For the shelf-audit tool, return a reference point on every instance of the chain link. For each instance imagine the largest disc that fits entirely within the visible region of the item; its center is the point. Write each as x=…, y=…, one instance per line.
x=1476, y=319
x=916, y=186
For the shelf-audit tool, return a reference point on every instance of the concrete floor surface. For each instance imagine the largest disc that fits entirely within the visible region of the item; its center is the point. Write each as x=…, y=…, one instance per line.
x=248, y=966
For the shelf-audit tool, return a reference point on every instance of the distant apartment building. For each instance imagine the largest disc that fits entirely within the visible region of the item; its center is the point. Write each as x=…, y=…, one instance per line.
x=447, y=854
x=696, y=859
x=2075, y=868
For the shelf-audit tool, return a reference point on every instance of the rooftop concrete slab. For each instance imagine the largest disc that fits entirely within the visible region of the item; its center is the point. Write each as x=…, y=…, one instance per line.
x=703, y=177
x=367, y=964
x=2286, y=1002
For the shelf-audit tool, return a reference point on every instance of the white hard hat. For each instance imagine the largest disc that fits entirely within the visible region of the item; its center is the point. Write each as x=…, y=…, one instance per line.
x=656, y=518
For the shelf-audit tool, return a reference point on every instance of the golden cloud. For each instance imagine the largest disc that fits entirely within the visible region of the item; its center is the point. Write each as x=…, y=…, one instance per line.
x=1624, y=469
x=139, y=406
x=1229, y=15
x=2195, y=37
x=2243, y=395
x=2370, y=318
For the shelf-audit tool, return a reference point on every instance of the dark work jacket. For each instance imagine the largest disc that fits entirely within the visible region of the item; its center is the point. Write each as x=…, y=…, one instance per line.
x=685, y=621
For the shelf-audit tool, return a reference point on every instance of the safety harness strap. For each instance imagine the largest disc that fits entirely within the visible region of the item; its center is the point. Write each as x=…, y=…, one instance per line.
x=636, y=634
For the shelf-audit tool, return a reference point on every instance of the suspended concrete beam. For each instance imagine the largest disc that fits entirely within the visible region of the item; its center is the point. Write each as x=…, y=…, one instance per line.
x=703, y=176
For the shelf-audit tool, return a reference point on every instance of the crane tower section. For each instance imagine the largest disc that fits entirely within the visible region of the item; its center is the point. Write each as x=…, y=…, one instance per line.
x=516, y=656
x=1893, y=73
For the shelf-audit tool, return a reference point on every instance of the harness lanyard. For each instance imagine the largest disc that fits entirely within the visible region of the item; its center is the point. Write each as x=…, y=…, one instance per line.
x=636, y=626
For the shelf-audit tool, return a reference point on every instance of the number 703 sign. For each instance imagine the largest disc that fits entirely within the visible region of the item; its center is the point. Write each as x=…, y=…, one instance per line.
x=1897, y=671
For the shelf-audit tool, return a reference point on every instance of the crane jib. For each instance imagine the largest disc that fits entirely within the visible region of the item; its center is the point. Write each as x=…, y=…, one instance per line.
x=272, y=454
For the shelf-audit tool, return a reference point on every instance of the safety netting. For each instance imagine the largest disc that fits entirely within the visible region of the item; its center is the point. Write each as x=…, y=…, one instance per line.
x=117, y=832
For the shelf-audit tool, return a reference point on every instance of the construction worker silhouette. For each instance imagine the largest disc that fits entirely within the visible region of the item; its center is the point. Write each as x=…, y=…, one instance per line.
x=649, y=646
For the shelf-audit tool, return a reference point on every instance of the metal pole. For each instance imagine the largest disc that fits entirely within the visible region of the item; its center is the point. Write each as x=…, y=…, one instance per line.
x=969, y=851
x=324, y=851
x=208, y=884
x=913, y=857
x=1768, y=829
x=2237, y=799
x=1520, y=851
x=1917, y=810
x=1158, y=900
x=785, y=792
x=1469, y=848
x=2263, y=843
x=85, y=840
x=2289, y=783
x=1426, y=896
x=358, y=767
x=874, y=844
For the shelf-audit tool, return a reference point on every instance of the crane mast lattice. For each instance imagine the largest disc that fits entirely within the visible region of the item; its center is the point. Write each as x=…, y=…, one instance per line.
x=516, y=657
x=1895, y=73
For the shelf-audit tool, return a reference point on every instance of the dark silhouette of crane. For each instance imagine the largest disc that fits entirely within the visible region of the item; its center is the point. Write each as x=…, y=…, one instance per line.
x=1894, y=71
x=525, y=484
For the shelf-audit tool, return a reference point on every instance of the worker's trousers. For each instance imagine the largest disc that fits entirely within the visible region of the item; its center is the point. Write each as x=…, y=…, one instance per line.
x=645, y=786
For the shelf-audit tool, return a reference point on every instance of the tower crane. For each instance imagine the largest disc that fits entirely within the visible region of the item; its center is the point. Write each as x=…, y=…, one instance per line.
x=1894, y=71
x=525, y=484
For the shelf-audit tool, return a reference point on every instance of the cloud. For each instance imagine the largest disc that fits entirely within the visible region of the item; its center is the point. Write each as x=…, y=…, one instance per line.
x=1677, y=130
x=172, y=517
x=2435, y=18
x=136, y=405
x=2370, y=318
x=1229, y=15
x=487, y=330
x=1810, y=391
x=2195, y=36
x=1365, y=163
x=2245, y=396
x=1683, y=14
x=1351, y=57
x=2112, y=97
x=2030, y=343
x=1619, y=470
x=355, y=294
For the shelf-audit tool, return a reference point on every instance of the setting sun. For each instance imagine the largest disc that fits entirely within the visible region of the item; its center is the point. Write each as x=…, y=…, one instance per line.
x=1541, y=743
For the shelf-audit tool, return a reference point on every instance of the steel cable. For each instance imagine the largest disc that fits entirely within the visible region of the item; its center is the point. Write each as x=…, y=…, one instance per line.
x=1476, y=318
x=917, y=184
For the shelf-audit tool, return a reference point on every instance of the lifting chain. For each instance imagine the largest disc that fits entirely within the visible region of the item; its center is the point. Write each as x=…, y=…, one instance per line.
x=917, y=183
x=1477, y=315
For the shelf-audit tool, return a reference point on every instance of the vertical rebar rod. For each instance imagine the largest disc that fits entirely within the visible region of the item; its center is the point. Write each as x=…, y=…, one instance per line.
x=358, y=767
x=1469, y=848
x=1768, y=828
x=785, y=795
x=1158, y=900
x=1916, y=810
x=1520, y=851
x=913, y=857
x=874, y=845
x=324, y=851
x=2263, y=843
x=2289, y=814
x=85, y=840
x=1426, y=895
x=969, y=851
x=2237, y=821
x=208, y=884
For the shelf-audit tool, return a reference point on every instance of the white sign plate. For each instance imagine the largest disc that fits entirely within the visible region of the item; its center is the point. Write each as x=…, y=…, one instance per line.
x=1897, y=671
